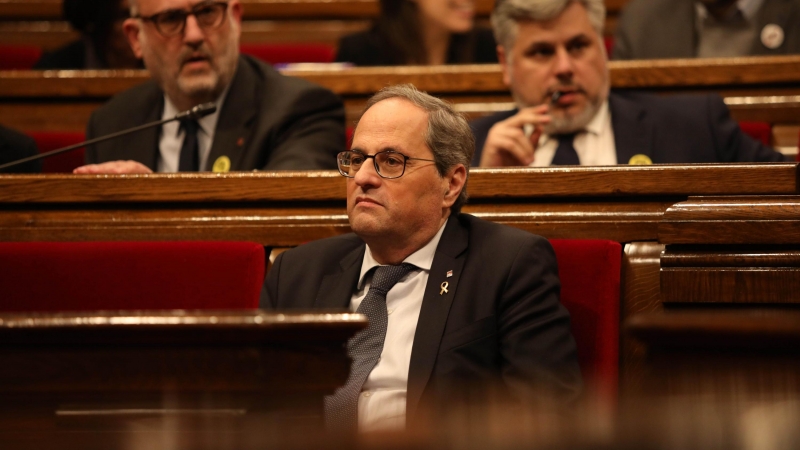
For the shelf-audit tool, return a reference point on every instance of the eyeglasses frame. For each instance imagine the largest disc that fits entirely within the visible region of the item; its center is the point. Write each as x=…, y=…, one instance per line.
x=375, y=162
x=152, y=18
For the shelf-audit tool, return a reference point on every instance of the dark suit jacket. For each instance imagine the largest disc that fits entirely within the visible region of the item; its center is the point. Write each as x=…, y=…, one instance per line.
x=670, y=130
x=268, y=122
x=369, y=48
x=500, y=320
x=652, y=29
x=15, y=145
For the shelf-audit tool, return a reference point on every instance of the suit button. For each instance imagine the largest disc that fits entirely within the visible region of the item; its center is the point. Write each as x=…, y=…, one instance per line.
x=367, y=394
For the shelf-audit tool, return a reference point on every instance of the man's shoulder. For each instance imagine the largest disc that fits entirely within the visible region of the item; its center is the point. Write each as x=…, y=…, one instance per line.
x=130, y=106
x=323, y=250
x=276, y=86
x=685, y=105
x=495, y=234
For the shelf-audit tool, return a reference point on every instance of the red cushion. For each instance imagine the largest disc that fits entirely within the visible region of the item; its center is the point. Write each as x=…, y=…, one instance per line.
x=290, y=53
x=760, y=131
x=51, y=140
x=75, y=276
x=19, y=57
x=590, y=289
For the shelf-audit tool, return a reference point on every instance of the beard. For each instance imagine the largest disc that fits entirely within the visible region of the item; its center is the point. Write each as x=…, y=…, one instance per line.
x=565, y=123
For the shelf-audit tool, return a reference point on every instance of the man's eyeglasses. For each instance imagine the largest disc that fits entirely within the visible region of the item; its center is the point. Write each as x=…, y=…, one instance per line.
x=388, y=163
x=172, y=22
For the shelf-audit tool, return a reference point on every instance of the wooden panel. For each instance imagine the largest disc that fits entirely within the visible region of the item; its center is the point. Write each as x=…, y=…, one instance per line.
x=33, y=9
x=57, y=366
x=641, y=293
x=778, y=329
x=739, y=220
x=484, y=184
x=740, y=285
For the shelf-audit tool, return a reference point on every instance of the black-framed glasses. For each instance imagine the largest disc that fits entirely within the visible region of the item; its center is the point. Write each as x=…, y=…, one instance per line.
x=388, y=163
x=173, y=21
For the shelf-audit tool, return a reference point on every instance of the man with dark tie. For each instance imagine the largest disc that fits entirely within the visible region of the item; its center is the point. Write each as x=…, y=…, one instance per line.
x=457, y=306
x=263, y=120
x=555, y=64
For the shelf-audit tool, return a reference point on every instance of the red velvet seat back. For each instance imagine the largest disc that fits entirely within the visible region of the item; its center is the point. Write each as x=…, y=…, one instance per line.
x=48, y=141
x=19, y=57
x=760, y=131
x=58, y=276
x=290, y=52
x=590, y=289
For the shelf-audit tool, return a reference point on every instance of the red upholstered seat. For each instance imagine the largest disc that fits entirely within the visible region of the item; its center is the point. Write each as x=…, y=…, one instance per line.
x=290, y=52
x=59, y=276
x=760, y=131
x=19, y=57
x=52, y=140
x=590, y=290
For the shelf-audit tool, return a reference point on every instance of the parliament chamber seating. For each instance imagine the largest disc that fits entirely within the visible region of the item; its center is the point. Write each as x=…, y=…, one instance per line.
x=91, y=276
x=48, y=141
x=18, y=57
x=288, y=53
x=589, y=271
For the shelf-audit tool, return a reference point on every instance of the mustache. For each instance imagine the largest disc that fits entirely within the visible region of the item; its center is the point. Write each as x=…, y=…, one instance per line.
x=194, y=53
x=554, y=92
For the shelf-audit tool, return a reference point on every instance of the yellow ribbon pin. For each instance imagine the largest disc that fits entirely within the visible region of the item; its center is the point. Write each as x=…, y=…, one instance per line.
x=640, y=160
x=221, y=165
x=444, y=288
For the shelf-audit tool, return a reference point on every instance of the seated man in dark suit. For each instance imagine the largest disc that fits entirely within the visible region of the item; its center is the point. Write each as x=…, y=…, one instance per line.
x=263, y=120
x=15, y=145
x=555, y=64
x=457, y=306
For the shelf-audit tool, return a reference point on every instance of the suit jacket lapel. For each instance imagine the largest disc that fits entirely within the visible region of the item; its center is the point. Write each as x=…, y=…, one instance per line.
x=633, y=131
x=235, y=118
x=450, y=255
x=337, y=288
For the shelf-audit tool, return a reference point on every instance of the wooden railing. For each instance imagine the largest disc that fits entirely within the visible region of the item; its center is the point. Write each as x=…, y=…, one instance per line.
x=765, y=89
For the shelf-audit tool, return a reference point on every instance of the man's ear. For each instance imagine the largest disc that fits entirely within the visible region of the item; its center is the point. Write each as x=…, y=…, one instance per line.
x=131, y=27
x=455, y=180
x=236, y=11
x=501, y=58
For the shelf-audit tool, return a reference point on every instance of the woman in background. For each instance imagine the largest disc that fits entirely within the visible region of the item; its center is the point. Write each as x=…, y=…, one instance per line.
x=103, y=44
x=420, y=32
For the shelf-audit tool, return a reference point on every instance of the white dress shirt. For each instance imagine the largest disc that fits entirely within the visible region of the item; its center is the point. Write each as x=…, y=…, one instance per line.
x=594, y=145
x=382, y=402
x=171, y=141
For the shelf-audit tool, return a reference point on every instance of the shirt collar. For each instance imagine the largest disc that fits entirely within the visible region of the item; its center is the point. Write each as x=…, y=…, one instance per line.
x=596, y=126
x=422, y=258
x=749, y=9
x=207, y=123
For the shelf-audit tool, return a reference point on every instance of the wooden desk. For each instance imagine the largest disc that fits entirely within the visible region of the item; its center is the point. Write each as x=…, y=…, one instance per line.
x=178, y=369
x=643, y=207
x=765, y=89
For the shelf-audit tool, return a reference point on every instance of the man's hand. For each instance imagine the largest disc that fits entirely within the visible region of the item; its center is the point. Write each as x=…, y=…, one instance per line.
x=115, y=167
x=507, y=145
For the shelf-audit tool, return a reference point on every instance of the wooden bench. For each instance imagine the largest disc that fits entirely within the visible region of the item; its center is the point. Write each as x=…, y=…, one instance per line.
x=39, y=22
x=764, y=89
x=717, y=219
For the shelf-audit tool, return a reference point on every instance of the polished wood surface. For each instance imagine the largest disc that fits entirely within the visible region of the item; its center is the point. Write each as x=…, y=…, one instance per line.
x=63, y=369
x=762, y=89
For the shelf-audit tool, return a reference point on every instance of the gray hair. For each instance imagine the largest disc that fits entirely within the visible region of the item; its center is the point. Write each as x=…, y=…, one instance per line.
x=448, y=135
x=508, y=13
